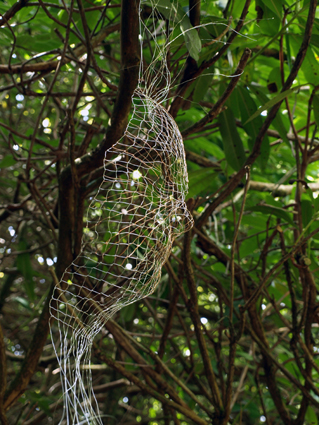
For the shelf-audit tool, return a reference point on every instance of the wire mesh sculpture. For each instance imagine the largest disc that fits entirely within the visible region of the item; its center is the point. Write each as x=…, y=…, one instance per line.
x=132, y=221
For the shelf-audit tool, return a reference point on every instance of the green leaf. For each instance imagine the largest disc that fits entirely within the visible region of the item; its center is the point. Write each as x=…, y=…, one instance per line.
x=311, y=416
x=307, y=211
x=272, y=102
x=274, y=80
x=203, y=145
x=41, y=400
x=315, y=104
x=279, y=292
x=175, y=13
x=128, y=312
x=233, y=146
x=7, y=161
x=310, y=68
x=202, y=85
x=268, y=20
x=248, y=247
x=24, y=266
x=192, y=40
x=277, y=212
x=278, y=121
x=201, y=181
x=275, y=6
x=310, y=64
x=23, y=302
x=247, y=107
x=289, y=59
x=237, y=7
x=314, y=41
x=40, y=43
x=5, y=36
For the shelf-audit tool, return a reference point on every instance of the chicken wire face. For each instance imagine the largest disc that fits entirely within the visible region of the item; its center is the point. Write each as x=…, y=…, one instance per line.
x=131, y=223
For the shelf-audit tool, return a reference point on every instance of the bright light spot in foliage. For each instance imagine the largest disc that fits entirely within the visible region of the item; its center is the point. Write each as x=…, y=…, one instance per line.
x=11, y=231
x=49, y=262
x=212, y=297
x=125, y=400
x=16, y=147
x=186, y=352
x=129, y=266
x=262, y=419
x=203, y=320
x=19, y=97
x=117, y=158
x=46, y=122
x=264, y=113
x=124, y=211
x=136, y=175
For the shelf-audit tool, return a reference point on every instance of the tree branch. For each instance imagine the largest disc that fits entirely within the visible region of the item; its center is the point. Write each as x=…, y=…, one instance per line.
x=28, y=367
x=193, y=309
x=270, y=117
x=12, y=11
x=217, y=108
x=279, y=190
x=3, y=377
x=52, y=65
x=189, y=77
x=134, y=379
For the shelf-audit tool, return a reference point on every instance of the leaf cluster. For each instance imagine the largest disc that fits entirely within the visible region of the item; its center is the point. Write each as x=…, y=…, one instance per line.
x=231, y=333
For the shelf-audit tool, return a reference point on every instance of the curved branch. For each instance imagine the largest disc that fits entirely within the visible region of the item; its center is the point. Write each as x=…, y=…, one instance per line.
x=12, y=11
x=217, y=108
x=3, y=376
x=22, y=379
x=51, y=65
x=233, y=183
x=191, y=75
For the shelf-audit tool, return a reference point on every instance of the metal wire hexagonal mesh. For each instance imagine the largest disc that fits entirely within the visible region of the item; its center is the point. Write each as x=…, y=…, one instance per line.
x=131, y=223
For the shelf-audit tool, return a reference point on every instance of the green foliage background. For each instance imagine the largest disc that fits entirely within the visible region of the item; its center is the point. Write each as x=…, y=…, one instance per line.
x=231, y=333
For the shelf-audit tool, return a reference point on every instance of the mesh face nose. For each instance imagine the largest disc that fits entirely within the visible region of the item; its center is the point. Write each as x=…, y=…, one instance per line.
x=188, y=219
x=181, y=219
